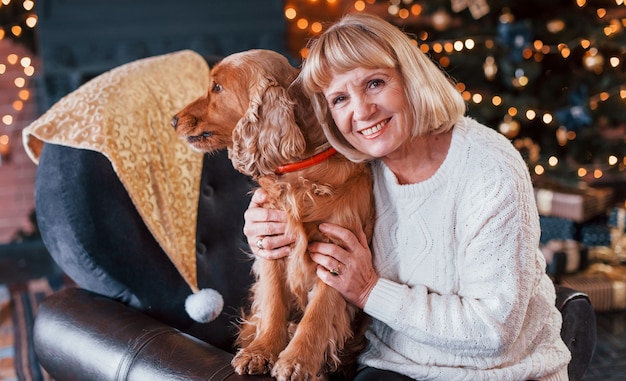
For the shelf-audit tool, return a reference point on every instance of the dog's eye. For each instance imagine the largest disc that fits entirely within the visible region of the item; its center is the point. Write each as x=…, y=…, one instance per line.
x=216, y=88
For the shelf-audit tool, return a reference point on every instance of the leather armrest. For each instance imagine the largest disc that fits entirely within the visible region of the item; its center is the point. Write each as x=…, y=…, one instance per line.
x=578, y=330
x=80, y=335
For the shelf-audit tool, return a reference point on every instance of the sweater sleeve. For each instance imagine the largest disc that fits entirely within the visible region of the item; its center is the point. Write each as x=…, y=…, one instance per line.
x=496, y=236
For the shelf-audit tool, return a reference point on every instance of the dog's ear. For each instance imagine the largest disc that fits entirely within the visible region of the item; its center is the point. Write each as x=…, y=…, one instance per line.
x=267, y=136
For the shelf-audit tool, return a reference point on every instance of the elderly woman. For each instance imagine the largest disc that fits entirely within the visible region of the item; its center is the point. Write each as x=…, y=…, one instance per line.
x=454, y=281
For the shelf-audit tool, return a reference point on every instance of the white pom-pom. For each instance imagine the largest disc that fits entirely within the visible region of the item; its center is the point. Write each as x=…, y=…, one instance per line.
x=205, y=305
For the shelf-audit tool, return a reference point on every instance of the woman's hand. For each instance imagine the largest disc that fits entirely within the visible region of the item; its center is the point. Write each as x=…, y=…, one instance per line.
x=265, y=229
x=348, y=269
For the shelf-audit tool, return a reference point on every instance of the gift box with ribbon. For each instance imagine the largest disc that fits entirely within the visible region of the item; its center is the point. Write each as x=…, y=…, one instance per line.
x=576, y=204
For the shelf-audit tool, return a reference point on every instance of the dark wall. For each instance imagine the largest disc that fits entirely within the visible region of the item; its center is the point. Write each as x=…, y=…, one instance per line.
x=80, y=39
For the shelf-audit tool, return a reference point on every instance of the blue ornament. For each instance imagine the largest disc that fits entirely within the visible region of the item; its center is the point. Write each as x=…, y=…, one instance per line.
x=514, y=36
x=576, y=115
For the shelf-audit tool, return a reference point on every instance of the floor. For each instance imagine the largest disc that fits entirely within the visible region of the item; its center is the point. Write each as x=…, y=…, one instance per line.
x=609, y=360
x=608, y=363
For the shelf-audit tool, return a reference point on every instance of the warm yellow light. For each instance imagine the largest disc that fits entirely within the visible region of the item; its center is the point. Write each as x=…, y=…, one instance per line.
x=597, y=173
x=539, y=169
x=12, y=58
x=571, y=135
x=1, y=33
x=581, y=3
x=302, y=23
x=612, y=160
x=458, y=46
x=3, y=68
x=448, y=47
x=23, y=94
x=466, y=95
x=614, y=61
x=16, y=30
x=547, y=118
x=6, y=2
x=553, y=161
x=512, y=111
x=28, y=4
x=29, y=71
x=444, y=61
x=416, y=9
x=4, y=140
x=477, y=98
x=622, y=93
x=316, y=27
x=582, y=172
x=604, y=96
x=585, y=44
x=601, y=12
x=360, y=5
x=19, y=82
x=304, y=52
x=31, y=21
x=437, y=47
x=531, y=114
x=469, y=44
x=496, y=100
x=538, y=44
x=291, y=13
x=393, y=9
x=25, y=61
x=403, y=13
x=18, y=105
x=7, y=120
x=565, y=52
x=520, y=81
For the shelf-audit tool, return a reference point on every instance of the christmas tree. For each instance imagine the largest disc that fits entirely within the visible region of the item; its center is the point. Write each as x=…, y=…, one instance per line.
x=548, y=74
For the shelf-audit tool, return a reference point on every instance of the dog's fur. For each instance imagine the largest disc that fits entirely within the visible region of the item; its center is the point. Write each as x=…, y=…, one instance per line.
x=298, y=327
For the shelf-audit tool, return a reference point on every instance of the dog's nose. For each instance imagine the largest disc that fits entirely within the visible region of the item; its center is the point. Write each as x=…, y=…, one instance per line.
x=174, y=121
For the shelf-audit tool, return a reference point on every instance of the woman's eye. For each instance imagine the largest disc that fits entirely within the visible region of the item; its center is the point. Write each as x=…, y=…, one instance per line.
x=374, y=83
x=338, y=100
x=216, y=88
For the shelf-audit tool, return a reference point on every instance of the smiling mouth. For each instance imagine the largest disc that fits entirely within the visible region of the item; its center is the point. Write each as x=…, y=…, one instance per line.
x=374, y=129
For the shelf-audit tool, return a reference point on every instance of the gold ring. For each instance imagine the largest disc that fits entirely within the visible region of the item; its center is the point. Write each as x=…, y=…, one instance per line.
x=259, y=243
x=336, y=271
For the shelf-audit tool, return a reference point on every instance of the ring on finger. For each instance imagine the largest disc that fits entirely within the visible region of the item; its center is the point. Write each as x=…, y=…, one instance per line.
x=335, y=271
x=259, y=243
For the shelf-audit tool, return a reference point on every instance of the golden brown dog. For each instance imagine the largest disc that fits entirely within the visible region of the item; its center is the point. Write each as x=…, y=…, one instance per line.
x=298, y=327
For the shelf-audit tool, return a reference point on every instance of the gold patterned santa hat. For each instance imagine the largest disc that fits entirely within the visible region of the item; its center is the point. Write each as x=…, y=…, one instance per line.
x=125, y=114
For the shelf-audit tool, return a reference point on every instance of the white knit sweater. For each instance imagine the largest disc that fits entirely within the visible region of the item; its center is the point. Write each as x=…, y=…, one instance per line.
x=463, y=293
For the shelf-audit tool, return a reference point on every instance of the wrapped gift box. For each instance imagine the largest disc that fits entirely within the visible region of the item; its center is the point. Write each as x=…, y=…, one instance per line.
x=617, y=218
x=605, y=285
x=578, y=205
x=555, y=228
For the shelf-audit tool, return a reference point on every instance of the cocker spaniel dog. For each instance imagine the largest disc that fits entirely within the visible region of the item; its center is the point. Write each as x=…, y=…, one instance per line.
x=297, y=327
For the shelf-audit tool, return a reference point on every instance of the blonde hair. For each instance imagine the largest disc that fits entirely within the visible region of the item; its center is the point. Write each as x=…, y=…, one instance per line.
x=360, y=40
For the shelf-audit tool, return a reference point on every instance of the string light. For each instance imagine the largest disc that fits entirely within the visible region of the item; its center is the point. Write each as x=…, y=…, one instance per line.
x=19, y=66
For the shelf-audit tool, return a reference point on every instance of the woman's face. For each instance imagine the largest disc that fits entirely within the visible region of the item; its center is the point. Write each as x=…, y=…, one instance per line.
x=370, y=109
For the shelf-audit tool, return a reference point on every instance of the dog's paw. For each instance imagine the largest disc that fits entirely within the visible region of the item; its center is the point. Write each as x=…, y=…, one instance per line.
x=254, y=363
x=288, y=370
